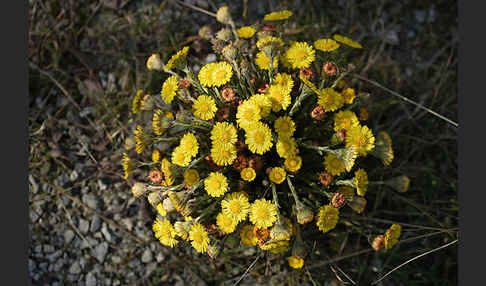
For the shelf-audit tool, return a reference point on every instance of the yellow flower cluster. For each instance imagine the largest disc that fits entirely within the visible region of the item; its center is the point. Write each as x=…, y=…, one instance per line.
x=187, y=149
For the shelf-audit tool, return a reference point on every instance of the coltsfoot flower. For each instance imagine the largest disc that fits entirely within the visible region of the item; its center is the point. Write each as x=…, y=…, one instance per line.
x=327, y=218
x=236, y=206
x=216, y=184
x=263, y=213
x=204, y=107
x=199, y=237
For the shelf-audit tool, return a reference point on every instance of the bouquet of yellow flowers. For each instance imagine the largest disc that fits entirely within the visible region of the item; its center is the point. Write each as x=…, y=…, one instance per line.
x=260, y=144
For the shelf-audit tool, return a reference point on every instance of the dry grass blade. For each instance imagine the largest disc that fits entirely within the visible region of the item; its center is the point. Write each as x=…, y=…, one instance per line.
x=408, y=100
x=196, y=8
x=246, y=271
x=412, y=259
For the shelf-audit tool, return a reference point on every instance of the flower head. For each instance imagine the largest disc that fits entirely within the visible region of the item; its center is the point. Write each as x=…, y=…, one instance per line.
x=215, y=74
x=345, y=119
x=278, y=16
x=391, y=236
x=141, y=139
x=361, y=138
x=169, y=89
x=361, y=182
x=327, y=218
x=347, y=41
x=160, y=122
x=293, y=164
x=284, y=126
x=180, y=157
x=191, y=177
x=333, y=165
x=330, y=100
x=127, y=165
x=204, y=107
x=279, y=96
x=247, y=114
x=269, y=41
x=176, y=59
x=199, y=237
x=383, y=148
x=189, y=144
x=137, y=101
x=247, y=236
x=295, y=262
x=223, y=154
x=286, y=147
x=263, y=213
x=225, y=223
x=224, y=133
x=300, y=55
x=258, y=138
x=248, y=174
x=263, y=102
x=154, y=62
x=246, y=32
x=263, y=62
x=326, y=45
x=284, y=80
x=348, y=95
x=277, y=175
x=165, y=232
x=216, y=184
x=236, y=206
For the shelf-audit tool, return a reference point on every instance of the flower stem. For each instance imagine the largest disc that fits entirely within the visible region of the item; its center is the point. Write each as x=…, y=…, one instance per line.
x=298, y=102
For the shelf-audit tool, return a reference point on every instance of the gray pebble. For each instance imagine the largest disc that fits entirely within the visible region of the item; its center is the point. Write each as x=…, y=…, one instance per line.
x=101, y=250
x=34, y=187
x=73, y=176
x=95, y=223
x=83, y=225
x=159, y=257
x=52, y=257
x=116, y=259
x=106, y=233
x=75, y=268
x=91, y=200
x=147, y=256
x=90, y=279
x=101, y=185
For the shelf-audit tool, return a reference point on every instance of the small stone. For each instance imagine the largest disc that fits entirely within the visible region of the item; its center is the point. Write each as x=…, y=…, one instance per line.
x=95, y=223
x=83, y=226
x=90, y=279
x=101, y=250
x=38, y=249
x=53, y=257
x=75, y=268
x=128, y=223
x=91, y=201
x=73, y=176
x=106, y=233
x=147, y=256
x=159, y=257
x=101, y=185
x=34, y=187
x=116, y=259
x=89, y=241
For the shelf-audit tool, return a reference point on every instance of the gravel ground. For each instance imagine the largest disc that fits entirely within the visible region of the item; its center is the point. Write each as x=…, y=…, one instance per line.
x=85, y=227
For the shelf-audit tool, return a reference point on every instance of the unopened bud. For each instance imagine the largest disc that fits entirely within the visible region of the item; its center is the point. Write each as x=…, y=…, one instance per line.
x=154, y=62
x=154, y=198
x=357, y=203
x=138, y=189
x=223, y=15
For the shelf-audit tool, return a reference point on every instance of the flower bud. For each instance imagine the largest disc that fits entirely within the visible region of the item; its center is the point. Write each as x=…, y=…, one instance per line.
x=223, y=15
x=205, y=32
x=168, y=205
x=182, y=229
x=138, y=189
x=304, y=213
x=224, y=34
x=154, y=198
x=129, y=143
x=400, y=183
x=229, y=52
x=213, y=250
x=154, y=62
x=281, y=230
x=147, y=103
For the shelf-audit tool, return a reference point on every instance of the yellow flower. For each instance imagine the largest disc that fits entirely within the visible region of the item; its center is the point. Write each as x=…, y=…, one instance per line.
x=236, y=206
x=224, y=133
x=258, y=137
x=160, y=121
x=263, y=62
x=326, y=45
x=247, y=114
x=279, y=96
x=361, y=182
x=140, y=139
x=278, y=16
x=345, y=119
x=347, y=41
x=223, y=155
x=127, y=165
x=154, y=62
x=155, y=156
x=310, y=85
x=333, y=165
x=160, y=209
x=284, y=126
x=263, y=102
x=216, y=184
x=286, y=147
x=284, y=80
x=191, y=177
x=165, y=232
x=300, y=55
x=169, y=89
x=199, y=237
x=180, y=157
x=204, y=107
x=277, y=175
x=248, y=174
x=269, y=41
x=247, y=236
x=330, y=100
x=383, y=148
x=263, y=213
x=245, y=32
x=215, y=74
x=176, y=59
x=295, y=262
x=391, y=236
x=361, y=138
x=327, y=218
x=347, y=191
x=182, y=229
x=293, y=164
x=165, y=168
x=225, y=223
x=137, y=101
x=275, y=246
x=348, y=95
x=189, y=144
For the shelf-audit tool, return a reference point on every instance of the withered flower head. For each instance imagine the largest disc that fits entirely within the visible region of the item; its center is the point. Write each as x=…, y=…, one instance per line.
x=228, y=94
x=240, y=163
x=306, y=73
x=338, y=200
x=325, y=178
x=329, y=68
x=155, y=176
x=318, y=113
